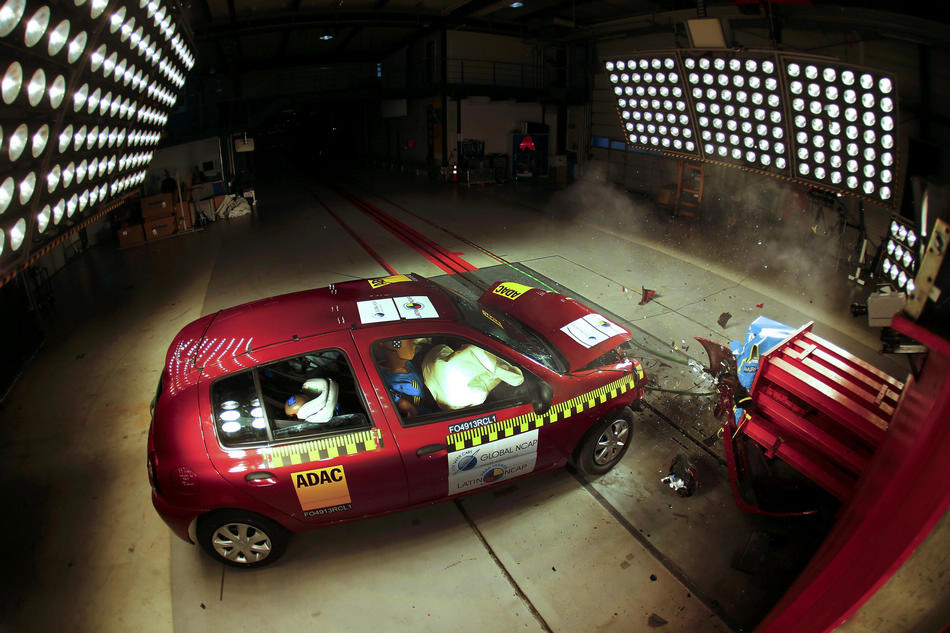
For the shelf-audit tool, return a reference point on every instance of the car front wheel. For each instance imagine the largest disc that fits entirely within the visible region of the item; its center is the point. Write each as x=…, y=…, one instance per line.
x=605, y=444
x=241, y=539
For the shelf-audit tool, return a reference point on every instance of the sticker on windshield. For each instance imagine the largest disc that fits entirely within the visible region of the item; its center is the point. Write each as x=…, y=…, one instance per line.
x=489, y=463
x=511, y=290
x=385, y=281
x=322, y=491
x=592, y=329
x=393, y=309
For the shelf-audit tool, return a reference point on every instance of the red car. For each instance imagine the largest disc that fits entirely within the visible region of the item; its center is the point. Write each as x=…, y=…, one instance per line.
x=371, y=396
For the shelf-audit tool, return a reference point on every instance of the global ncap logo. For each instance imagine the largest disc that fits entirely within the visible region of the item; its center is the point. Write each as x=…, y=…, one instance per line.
x=468, y=462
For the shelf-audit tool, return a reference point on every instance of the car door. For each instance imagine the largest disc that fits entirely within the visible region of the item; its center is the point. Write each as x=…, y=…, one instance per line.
x=449, y=452
x=345, y=466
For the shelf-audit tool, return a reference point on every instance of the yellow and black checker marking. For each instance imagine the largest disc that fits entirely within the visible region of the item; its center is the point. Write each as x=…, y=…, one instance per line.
x=529, y=421
x=326, y=448
x=385, y=281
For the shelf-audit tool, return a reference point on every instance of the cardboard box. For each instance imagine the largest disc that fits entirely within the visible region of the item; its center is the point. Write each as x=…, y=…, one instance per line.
x=204, y=190
x=159, y=227
x=667, y=195
x=130, y=235
x=157, y=206
x=183, y=217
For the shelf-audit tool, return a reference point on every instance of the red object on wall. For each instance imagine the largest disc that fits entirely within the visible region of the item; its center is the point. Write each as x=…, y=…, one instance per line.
x=895, y=504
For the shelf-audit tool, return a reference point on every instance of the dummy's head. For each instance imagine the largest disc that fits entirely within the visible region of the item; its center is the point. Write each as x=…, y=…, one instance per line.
x=316, y=403
x=397, y=349
x=294, y=402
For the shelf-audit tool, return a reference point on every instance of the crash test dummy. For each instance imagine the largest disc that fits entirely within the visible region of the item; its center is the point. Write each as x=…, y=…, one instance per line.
x=317, y=403
x=401, y=376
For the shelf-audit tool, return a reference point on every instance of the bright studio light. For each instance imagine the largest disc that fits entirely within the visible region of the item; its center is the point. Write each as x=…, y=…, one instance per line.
x=68, y=135
x=817, y=121
x=854, y=111
x=899, y=258
x=741, y=95
x=10, y=15
x=652, y=102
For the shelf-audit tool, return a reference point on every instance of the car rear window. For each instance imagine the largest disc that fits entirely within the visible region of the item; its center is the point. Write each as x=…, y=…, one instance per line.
x=306, y=396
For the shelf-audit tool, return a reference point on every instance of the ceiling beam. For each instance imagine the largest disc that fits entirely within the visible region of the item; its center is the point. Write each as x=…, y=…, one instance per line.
x=261, y=24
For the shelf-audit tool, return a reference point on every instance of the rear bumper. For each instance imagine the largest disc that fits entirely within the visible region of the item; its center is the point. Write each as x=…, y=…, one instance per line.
x=177, y=518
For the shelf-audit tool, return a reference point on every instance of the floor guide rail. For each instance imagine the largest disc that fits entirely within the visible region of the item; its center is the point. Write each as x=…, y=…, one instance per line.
x=447, y=261
x=366, y=247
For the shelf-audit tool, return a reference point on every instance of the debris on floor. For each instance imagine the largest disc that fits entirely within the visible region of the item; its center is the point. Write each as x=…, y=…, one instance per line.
x=682, y=477
x=655, y=621
x=723, y=319
x=679, y=347
x=645, y=295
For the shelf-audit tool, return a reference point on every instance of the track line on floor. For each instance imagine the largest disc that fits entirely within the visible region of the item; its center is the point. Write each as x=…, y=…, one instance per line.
x=366, y=247
x=664, y=560
x=458, y=237
x=447, y=261
x=511, y=580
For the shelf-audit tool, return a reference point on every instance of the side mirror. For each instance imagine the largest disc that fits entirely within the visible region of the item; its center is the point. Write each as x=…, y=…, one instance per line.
x=543, y=394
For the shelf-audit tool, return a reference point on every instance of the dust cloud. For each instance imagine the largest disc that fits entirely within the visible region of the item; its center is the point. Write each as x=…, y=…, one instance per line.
x=752, y=225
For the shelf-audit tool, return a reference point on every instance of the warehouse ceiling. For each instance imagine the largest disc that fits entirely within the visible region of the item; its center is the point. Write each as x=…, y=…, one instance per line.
x=261, y=34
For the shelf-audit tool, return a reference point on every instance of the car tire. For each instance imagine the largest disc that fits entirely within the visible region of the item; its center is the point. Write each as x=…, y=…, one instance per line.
x=241, y=539
x=605, y=443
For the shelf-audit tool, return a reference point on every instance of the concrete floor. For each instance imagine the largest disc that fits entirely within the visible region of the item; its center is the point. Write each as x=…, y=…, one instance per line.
x=87, y=552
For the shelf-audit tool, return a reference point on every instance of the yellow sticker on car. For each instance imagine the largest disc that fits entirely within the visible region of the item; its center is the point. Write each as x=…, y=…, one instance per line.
x=385, y=281
x=322, y=491
x=493, y=319
x=511, y=290
x=560, y=412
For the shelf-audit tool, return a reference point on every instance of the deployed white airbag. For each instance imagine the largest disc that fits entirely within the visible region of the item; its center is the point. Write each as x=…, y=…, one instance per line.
x=463, y=378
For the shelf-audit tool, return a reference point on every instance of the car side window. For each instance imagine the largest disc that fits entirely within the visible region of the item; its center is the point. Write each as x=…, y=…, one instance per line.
x=314, y=394
x=433, y=377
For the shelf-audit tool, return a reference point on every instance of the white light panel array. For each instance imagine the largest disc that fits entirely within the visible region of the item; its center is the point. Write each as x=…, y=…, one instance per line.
x=739, y=110
x=899, y=261
x=652, y=103
x=844, y=122
x=86, y=88
x=817, y=121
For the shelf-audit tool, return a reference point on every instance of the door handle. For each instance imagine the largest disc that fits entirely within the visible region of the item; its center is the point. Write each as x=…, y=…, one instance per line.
x=429, y=449
x=260, y=478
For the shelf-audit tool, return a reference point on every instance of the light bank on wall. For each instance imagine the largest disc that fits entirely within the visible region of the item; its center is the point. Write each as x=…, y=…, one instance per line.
x=87, y=89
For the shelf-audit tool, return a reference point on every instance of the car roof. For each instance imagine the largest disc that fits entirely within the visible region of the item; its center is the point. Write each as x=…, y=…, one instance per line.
x=219, y=344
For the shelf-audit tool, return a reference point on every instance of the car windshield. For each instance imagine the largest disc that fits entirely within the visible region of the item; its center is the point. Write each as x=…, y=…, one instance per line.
x=623, y=353
x=507, y=330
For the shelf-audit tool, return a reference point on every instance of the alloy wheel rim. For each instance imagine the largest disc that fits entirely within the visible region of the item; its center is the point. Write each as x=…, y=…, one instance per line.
x=611, y=442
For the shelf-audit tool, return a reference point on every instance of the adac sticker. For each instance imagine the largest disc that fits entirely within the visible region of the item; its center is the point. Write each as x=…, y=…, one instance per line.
x=322, y=491
x=488, y=463
x=511, y=290
x=385, y=281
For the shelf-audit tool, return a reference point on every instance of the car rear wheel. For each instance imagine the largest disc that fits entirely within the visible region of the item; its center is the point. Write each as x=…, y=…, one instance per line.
x=605, y=444
x=241, y=539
